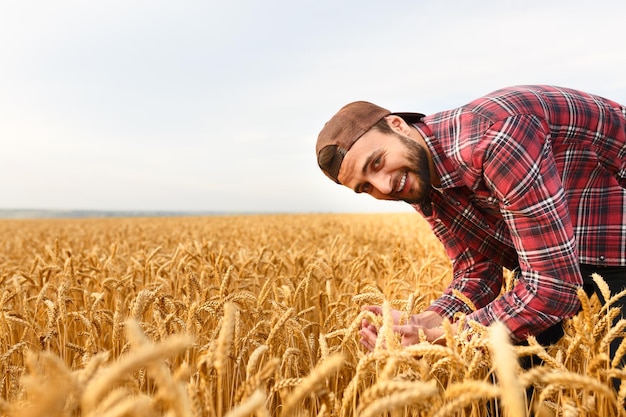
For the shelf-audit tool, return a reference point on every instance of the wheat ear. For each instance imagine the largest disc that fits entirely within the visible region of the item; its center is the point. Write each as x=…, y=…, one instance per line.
x=506, y=367
x=130, y=362
x=222, y=351
x=419, y=392
x=249, y=406
x=323, y=370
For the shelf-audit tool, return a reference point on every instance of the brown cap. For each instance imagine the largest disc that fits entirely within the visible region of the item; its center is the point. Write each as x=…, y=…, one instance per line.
x=341, y=131
x=344, y=129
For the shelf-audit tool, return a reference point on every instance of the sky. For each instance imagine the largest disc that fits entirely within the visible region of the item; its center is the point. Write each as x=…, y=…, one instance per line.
x=215, y=106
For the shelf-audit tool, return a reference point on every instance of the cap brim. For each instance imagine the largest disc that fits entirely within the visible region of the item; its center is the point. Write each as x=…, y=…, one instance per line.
x=410, y=117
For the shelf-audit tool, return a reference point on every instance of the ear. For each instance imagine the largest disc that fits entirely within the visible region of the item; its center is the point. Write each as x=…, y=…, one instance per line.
x=398, y=124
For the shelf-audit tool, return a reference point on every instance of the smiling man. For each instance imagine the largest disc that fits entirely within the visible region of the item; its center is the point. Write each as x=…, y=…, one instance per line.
x=528, y=178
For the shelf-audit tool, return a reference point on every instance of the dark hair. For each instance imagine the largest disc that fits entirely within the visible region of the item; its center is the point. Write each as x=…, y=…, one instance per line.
x=383, y=126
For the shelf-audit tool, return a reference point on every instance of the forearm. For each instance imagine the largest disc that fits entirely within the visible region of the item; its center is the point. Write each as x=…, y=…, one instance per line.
x=427, y=319
x=529, y=310
x=479, y=280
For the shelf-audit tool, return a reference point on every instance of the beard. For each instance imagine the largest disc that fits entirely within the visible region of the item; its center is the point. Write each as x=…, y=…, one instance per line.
x=418, y=165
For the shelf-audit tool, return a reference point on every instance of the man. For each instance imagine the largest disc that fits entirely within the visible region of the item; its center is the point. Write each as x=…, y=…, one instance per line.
x=528, y=178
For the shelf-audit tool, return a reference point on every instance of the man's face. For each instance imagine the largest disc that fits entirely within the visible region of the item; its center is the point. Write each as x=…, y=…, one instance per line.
x=388, y=166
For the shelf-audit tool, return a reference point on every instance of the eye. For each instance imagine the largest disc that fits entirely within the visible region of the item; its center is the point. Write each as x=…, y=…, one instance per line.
x=365, y=188
x=376, y=163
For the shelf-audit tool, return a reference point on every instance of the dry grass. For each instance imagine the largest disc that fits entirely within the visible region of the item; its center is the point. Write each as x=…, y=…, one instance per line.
x=258, y=315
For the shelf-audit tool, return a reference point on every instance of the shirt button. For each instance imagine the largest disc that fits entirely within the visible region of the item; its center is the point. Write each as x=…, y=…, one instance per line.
x=601, y=258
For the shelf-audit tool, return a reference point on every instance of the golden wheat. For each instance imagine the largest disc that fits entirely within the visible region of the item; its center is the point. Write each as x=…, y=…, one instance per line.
x=507, y=370
x=259, y=315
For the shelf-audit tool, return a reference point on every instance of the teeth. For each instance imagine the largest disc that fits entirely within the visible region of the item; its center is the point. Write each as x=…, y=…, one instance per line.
x=402, y=182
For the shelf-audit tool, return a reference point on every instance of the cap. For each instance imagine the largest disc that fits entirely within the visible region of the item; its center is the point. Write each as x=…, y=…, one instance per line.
x=345, y=128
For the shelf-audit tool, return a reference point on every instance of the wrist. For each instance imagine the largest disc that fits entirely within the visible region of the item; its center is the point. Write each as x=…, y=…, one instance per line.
x=435, y=335
x=427, y=319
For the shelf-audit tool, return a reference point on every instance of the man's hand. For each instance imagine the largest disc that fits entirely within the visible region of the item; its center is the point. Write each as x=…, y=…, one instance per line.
x=427, y=321
x=411, y=334
x=369, y=334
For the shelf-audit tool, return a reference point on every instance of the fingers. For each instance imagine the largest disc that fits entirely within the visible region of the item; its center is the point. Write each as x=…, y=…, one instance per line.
x=410, y=334
x=378, y=310
x=368, y=334
x=366, y=324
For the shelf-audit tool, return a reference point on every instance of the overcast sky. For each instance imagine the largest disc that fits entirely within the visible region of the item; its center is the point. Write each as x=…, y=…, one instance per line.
x=216, y=105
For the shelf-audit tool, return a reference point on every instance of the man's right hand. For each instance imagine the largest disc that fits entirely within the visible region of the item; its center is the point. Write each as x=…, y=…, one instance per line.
x=427, y=319
x=369, y=332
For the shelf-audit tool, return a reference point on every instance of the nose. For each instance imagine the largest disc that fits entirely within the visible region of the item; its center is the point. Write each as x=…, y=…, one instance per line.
x=382, y=183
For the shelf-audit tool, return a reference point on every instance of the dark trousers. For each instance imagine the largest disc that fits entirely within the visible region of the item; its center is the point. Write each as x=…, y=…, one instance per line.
x=615, y=278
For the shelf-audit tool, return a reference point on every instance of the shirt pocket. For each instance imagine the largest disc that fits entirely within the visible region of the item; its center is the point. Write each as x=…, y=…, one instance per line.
x=485, y=201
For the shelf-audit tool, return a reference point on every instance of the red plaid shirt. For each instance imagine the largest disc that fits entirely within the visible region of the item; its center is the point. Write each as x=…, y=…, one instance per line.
x=532, y=177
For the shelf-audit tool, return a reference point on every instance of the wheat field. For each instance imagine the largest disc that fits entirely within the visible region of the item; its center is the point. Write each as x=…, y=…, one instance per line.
x=258, y=315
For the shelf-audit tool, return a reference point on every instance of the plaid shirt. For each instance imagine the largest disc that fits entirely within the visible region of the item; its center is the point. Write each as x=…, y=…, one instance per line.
x=532, y=177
